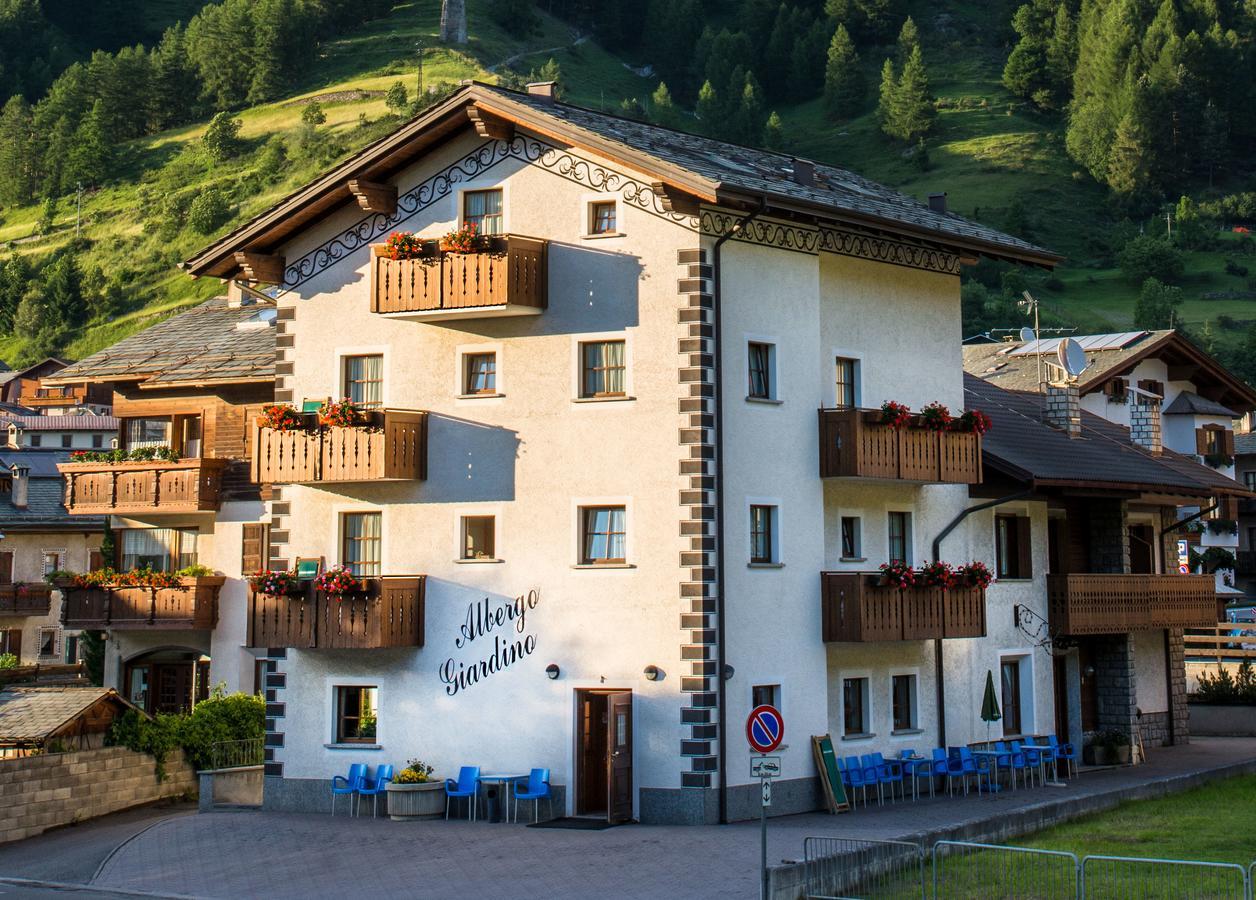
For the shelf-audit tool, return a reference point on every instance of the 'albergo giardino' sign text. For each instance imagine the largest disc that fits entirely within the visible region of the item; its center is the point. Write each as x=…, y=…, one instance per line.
x=506, y=623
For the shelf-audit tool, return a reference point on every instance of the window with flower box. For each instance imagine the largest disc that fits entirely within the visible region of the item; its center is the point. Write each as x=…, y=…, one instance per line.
x=361, y=537
x=363, y=380
x=483, y=209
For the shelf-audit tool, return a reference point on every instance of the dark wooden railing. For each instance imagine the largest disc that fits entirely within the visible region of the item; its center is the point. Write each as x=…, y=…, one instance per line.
x=855, y=607
x=137, y=488
x=25, y=599
x=194, y=604
x=508, y=276
x=392, y=447
x=855, y=443
x=390, y=613
x=1115, y=604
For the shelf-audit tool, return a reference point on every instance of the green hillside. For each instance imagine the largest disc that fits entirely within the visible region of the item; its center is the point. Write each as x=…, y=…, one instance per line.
x=1000, y=161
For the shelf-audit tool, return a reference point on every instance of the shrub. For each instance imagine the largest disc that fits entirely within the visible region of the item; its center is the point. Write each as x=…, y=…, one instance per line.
x=1146, y=257
x=223, y=717
x=1233, y=268
x=208, y=211
x=8, y=661
x=273, y=162
x=1224, y=688
x=397, y=99
x=313, y=114
x=222, y=138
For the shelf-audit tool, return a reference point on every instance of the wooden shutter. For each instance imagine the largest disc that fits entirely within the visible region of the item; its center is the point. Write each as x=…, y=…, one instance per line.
x=6, y=566
x=1227, y=442
x=1228, y=508
x=1024, y=548
x=11, y=642
x=95, y=560
x=1201, y=441
x=253, y=552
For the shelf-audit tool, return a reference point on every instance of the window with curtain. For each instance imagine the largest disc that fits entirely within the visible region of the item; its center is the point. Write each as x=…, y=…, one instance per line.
x=760, y=366
x=186, y=547
x=603, y=369
x=356, y=714
x=480, y=376
x=483, y=209
x=604, y=538
x=1012, y=547
x=602, y=217
x=151, y=548
x=147, y=433
x=364, y=380
x=845, y=380
x=762, y=538
x=361, y=550
x=900, y=537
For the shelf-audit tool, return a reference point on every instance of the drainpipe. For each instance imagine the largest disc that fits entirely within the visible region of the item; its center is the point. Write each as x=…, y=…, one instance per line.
x=937, y=643
x=720, y=662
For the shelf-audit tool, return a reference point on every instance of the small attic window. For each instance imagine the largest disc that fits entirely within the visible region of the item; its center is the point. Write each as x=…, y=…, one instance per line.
x=263, y=318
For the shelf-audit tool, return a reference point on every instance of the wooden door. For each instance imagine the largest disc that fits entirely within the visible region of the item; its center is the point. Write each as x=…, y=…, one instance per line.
x=591, y=753
x=6, y=566
x=619, y=740
x=172, y=687
x=1142, y=549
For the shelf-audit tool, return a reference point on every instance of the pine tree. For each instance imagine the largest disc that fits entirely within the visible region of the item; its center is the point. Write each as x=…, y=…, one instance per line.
x=662, y=108
x=844, y=86
x=91, y=156
x=908, y=40
x=913, y=110
x=278, y=38
x=174, y=83
x=708, y=106
x=750, y=117
x=1131, y=159
x=397, y=99
x=774, y=132
x=888, y=97
x=1062, y=56
x=15, y=272
x=807, y=67
x=17, y=172
x=221, y=139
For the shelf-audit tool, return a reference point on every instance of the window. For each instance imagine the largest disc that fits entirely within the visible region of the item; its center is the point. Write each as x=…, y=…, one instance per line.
x=6, y=566
x=360, y=550
x=1011, y=696
x=1249, y=480
x=854, y=707
x=37, y=440
x=72, y=650
x=147, y=433
x=356, y=714
x=483, y=209
x=1012, y=546
x=900, y=537
x=11, y=641
x=479, y=373
x=603, y=369
x=766, y=695
x=98, y=441
x=67, y=441
x=363, y=381
x=160, y=549
x=762, y=380
x=48, y=642
x=763, y=534
x=1152, y=386
x=845, y=380
x=602, y=217
x=850, y=538
x=603, y=538
x=51, y=561
x=478, y=537
x=903, y=699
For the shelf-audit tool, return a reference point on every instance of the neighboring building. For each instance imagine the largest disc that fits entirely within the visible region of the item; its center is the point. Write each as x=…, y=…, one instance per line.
x=26, y=387
x=35, y=720
x=1245, y=472
x=192, y=384
x=1095, y=506
x=37, y=537
x=78, y=431
x=628, y=530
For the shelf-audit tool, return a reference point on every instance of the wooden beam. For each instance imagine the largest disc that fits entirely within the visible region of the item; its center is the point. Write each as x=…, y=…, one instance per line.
x=489, y=126
x=373, y=196
x=675, y=201
x=261, y=267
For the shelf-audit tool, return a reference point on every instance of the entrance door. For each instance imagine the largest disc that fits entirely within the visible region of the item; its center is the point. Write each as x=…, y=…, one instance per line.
x=172, y=683
x=620, y=741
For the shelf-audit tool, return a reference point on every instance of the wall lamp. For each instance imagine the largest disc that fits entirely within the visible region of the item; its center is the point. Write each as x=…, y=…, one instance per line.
x=652, y=673
x=551, y=671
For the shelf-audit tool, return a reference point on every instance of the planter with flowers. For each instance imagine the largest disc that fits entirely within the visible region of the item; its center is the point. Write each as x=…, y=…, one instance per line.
x=414, y=794
x=140, y=598
x=340, y=582
x=277, y=584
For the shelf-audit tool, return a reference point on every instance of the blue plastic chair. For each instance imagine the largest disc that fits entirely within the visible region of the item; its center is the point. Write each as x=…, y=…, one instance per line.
x=1004, y=761
x=374, y=787
x=941, y=764
x=1064, y=752
x=890, y=772
x=1020, y=762
x=961, y=764
x=467, y=786
x=350, y=786
x=536, y=787
x=916, y=768
x=1037, y=761
x=855, y=777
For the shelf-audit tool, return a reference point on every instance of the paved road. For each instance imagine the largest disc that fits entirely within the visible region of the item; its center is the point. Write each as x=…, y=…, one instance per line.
x=14, y=890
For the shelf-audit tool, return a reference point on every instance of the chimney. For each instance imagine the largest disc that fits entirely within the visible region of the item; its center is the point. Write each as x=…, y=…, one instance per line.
x=543, y=90
x=235, y=294
x=1145, y=423
x=805, y=172
x=1064, y=409
x=937, y=202
x=21, y=485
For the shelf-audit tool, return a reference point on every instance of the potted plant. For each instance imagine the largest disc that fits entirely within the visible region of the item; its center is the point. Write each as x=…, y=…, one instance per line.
x=936, y=575
x=897, y=575
x=1119, y=747
x=338, y=581
x=414, y=794
x=341, y=414
x=971, y=421
x=281, y=417
x=935, y=417
x=276, y=584
x=974, y=575
x=406, y=245
x=1096, y=752
x=895, y=414
x=464, y=240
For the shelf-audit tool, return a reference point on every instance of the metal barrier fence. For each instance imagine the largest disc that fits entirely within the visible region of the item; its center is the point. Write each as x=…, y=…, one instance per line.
x=840, y=868
x=236, y=754
x=962, y=869
x=1112, y=877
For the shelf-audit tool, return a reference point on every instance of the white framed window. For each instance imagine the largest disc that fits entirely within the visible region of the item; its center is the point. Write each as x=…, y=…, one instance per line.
x=898, y=536
x=147, y=433
x=484, y=209
x=602, y=367
x=479, y=538
x=856, y=705
x=846, y=378
x=765, y=540
x=603, y=532
x=362, y=379
x=904, y=708
x=852, y=537
x=361, y=538
x=356, y=714
x=760, y=370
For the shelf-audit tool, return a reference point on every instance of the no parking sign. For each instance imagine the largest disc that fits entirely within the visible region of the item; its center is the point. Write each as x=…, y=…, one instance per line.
x=765, y=729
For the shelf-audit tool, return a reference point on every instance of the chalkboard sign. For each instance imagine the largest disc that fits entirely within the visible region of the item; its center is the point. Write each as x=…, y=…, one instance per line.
x=830, y=776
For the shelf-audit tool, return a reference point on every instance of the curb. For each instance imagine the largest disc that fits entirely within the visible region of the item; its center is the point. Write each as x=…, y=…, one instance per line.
x=112, y=853
x=70, y=886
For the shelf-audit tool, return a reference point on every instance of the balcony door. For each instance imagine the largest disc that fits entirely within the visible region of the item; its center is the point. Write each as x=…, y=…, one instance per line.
x=604, y=776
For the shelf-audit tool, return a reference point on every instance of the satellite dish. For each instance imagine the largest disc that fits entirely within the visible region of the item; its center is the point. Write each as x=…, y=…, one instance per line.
x=1027, y=335
x=1072, y=357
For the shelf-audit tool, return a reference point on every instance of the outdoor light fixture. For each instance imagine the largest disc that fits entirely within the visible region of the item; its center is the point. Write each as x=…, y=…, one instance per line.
x=1090, y=671
x=728, y=672
x=652, y=673
x=551, y=671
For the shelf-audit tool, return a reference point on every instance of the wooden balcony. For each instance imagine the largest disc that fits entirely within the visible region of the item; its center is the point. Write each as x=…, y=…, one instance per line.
x=506, y=278
x=193, y=605
x=389, y=614
x=143, y=488
x=1115, y=604
x=856, y=608
x=855, y=444
x=393, y=447
x=25, y=599
x=58, y=395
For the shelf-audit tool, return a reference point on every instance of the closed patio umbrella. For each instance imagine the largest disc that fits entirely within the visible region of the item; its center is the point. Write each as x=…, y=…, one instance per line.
x=990, y=705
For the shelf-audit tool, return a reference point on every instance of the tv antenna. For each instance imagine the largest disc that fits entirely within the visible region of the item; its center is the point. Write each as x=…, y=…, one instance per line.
x=1028, y=305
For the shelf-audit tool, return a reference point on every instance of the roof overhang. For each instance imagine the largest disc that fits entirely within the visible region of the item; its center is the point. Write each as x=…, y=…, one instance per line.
x=1234, y=392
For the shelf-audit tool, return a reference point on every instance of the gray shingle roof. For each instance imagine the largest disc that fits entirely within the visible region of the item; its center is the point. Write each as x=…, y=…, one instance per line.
x=45, y=509
x=202, y=345
x=32, y=714
x=1245, y=443
x=62, y=423
x=1188, y=403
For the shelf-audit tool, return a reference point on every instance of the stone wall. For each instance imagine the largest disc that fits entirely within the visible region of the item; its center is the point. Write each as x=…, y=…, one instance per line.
x=42, y=792
x=1114, y=675
x=1178, y=707
x=1109, y=536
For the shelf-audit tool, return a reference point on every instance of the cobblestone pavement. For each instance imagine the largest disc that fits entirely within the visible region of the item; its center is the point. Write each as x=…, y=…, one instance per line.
x=280, y=855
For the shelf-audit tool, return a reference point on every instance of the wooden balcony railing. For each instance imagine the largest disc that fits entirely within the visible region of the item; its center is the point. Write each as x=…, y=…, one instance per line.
x=392, y=447
x=389, y=614
x=143, y=488
x=59, y=395
x=1114, y=604
x=25, y=599
x=193, y=605
x=506, y=277
x=856, y=608
x=855, y=443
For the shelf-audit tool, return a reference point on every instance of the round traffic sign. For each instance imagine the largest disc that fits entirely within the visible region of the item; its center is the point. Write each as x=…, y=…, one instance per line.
x=765, y=729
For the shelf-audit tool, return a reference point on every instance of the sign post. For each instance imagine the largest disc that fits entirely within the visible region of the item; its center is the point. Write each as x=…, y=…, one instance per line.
x=765, y=729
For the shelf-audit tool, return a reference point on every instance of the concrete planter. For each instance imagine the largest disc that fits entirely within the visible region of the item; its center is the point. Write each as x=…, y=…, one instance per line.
x=1228, y=720
x=411, y=802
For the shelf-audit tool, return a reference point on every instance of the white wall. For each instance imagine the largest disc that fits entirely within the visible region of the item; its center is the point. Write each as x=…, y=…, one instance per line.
x=1150, y=682
x=28, y=551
